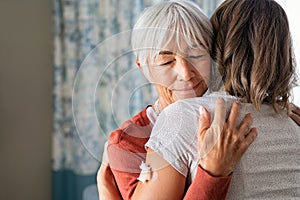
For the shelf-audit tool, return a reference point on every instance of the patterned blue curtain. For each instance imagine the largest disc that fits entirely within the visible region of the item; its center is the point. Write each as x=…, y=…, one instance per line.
x=96, y=86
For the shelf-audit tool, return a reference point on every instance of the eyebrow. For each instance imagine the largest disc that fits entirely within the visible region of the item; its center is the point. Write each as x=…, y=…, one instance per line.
x=165, y=53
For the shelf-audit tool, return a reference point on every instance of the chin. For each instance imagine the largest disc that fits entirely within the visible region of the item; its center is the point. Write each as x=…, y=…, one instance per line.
x=192, y=94
x=178, y=97
x=201, y=93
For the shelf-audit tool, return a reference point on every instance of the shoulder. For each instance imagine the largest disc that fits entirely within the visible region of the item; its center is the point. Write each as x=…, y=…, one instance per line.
x=126, y=146
x=174, y=134
x=192, y=104
x=134, y=131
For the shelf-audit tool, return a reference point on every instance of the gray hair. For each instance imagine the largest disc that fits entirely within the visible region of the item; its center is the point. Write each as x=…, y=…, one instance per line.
x=179, y=20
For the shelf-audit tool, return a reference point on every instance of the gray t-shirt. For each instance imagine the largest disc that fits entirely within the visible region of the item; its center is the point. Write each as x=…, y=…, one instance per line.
x=270, y=168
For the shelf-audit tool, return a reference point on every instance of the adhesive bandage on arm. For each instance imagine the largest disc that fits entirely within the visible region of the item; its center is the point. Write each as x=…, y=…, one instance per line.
x=145, y=174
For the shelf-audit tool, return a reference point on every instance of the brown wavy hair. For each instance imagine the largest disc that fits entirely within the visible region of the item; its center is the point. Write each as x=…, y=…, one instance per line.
x=253, y=51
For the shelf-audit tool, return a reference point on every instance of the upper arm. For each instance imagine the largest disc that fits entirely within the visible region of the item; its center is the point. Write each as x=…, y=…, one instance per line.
x=165, y=181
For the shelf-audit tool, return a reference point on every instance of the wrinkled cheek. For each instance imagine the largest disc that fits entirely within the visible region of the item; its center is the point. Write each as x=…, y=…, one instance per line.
x=203, y=87
x=162, y=78
x=166, y=94
x=204, y=71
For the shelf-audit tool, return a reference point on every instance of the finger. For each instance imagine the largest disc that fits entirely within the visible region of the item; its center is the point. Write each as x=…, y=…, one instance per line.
x=249, y=139
x=245, y=125
x=234, y=114
x=295, y=109
x=220, y=113
x=295, y=117
x=204, y=121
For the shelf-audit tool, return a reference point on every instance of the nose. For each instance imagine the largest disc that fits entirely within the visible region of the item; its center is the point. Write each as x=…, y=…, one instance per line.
x=185, y=70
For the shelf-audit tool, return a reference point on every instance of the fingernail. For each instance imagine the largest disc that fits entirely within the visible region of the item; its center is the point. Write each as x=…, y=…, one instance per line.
x=220, y=100
x=238, y=102
x=256, y=131
x=201, y=110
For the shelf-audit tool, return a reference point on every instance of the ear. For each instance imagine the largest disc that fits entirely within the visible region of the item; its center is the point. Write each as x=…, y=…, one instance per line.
x=145, y=72
x=138, y=63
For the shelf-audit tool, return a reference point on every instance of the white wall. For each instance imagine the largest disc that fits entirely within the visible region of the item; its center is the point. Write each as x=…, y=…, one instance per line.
x=291, y=8
x=293, y=13
x=25, y=99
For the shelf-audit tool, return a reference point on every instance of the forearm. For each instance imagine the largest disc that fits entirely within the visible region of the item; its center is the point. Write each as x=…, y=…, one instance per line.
x=207, y=187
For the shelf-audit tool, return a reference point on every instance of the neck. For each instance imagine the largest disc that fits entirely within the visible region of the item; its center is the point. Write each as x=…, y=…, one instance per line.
x=157, y=108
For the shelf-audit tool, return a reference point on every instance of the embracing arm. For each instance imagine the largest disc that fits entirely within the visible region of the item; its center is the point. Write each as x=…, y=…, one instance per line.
x=213, y=182
x=204, y=185
x=208, y=187
x=215, y=166
x=163, y=176
x=167, y=183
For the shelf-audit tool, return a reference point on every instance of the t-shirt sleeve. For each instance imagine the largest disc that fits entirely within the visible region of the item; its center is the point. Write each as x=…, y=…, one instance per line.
x=206, y=186
x=174, y=135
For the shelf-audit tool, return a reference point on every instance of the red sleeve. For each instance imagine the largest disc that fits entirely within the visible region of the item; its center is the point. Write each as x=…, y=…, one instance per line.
x=207, y=187
x=126, y=152
x=126, y=182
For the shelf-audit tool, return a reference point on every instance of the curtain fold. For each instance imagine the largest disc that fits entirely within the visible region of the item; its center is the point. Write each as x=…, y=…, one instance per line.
x=96, y=86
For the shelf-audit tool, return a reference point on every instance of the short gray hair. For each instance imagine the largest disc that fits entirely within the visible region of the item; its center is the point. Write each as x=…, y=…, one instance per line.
x=165, y=21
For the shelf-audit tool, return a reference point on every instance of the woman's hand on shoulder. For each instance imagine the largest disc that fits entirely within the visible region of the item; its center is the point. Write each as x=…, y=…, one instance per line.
x=222, y=144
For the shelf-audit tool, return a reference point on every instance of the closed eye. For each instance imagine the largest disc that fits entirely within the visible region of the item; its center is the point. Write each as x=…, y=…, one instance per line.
x=166, y=63
x=196, y=57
